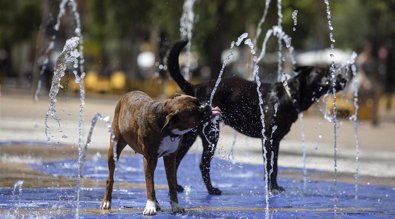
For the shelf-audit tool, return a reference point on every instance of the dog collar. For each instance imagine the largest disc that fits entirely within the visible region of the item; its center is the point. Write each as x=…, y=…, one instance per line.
x=173, y=136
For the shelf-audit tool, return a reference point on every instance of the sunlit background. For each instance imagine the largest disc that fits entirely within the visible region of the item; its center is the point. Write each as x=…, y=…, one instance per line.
x=125, y=46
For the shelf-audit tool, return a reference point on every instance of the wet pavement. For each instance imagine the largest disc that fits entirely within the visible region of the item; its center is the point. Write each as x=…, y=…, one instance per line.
x=48, y=169
x=242, y=184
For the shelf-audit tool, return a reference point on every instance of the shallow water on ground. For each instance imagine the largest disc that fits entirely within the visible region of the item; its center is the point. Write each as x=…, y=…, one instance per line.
x=242, y=186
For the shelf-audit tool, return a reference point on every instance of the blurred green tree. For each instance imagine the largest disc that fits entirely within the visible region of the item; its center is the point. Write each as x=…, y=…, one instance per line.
x=19, y=23
x=116, y=29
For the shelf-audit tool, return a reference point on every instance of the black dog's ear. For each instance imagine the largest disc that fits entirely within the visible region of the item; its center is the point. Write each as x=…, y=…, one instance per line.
x=295, y=84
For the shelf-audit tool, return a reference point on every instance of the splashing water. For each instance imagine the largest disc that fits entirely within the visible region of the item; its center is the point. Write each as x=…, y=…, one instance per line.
x=107, y=121
x=43, y=67
x=69, y=54
x=261, y=22
x=354, y=87
x=281, y=36
x=62, y=10
x=72, y=53
x=264, y=150
x=231, y=156
x=259, y=31
x=79, y=79
x=295, y=19
x=301, y=116
x=186, y=26
x=250, y=44
x=262, y=117
x=279, y=33
x=225, y=63
x=280, y=46
x=45, y=61
x=17, y=187
x=83, y=151
x=356, y=137
x=274, y=129
x=334, y=119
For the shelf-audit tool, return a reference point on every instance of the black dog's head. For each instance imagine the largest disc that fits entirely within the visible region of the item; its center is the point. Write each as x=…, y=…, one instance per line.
x=311, y=83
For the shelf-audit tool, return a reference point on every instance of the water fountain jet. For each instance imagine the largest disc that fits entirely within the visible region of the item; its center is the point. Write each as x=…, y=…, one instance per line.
x=186, y=27
x=334, y=115
x=72, y=53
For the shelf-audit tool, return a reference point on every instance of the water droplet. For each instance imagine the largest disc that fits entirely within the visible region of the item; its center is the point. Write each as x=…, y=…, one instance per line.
x=232, y=44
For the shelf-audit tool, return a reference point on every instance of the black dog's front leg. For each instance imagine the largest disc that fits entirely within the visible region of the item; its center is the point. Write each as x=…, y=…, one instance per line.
x=271, y=166
x=186, y=143
x=209, y=136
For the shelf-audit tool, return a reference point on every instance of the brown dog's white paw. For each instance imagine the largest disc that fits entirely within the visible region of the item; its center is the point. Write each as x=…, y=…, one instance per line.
x=150, y=208
x=176, y=208
x=105, y=204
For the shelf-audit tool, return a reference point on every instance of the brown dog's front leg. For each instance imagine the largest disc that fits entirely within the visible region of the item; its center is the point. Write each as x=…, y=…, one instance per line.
x=152, y=205
x=170, y=167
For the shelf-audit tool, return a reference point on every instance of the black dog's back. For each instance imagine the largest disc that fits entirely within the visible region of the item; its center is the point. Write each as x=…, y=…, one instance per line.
x=235, y=96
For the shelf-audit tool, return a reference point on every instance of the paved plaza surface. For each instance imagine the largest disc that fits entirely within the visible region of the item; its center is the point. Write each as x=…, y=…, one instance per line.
x=49, y=167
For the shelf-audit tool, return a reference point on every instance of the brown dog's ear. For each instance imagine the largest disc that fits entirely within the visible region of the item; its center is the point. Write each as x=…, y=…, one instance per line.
x=171, y=118
x=175, y=95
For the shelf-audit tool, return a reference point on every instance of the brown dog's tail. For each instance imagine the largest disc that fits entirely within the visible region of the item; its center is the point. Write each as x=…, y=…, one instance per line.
x=174, y=67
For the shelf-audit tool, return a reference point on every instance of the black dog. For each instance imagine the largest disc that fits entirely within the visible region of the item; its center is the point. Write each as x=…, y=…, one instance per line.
x=238, y=100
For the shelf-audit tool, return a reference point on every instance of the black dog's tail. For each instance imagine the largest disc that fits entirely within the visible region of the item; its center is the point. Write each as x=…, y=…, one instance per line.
x=174, y=68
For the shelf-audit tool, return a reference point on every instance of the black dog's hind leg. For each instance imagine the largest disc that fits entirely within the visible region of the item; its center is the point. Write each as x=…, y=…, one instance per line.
x=271, y=166
x=185, y=144
x=209, y=136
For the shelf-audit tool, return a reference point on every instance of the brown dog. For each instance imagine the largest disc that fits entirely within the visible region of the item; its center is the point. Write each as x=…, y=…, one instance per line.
x=153, y=129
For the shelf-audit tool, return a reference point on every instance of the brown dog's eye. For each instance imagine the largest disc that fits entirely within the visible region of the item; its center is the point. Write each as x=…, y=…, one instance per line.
x=174, y=119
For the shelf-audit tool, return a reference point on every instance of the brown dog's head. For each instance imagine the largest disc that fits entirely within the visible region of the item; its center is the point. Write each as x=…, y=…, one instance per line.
x=184, y=113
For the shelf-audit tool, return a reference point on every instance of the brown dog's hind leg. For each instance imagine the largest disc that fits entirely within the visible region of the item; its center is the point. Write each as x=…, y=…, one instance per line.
x=120, y=145
x=170, y=167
